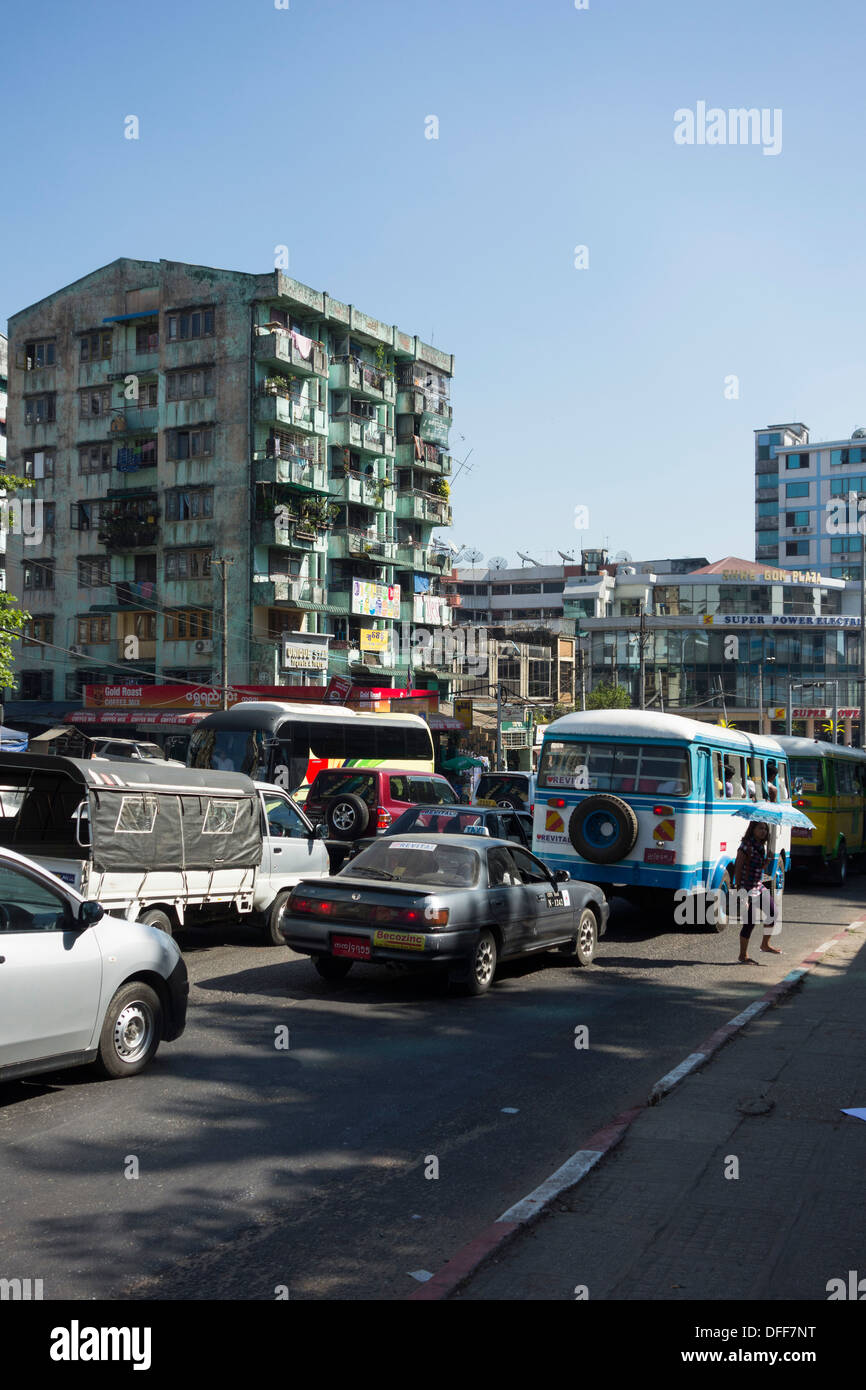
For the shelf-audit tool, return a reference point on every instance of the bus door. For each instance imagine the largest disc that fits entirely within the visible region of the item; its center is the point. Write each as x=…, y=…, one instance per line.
x=705, y=796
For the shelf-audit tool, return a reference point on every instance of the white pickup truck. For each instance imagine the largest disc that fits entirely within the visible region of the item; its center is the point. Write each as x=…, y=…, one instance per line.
x=157, y=843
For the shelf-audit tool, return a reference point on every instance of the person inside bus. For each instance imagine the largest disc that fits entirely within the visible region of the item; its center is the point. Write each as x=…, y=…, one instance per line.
x=749, y=880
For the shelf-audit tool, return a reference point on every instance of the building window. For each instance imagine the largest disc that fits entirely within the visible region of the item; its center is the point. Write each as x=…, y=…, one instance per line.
x=147, y=338
x=767, y=508
x=841, y=545
x=94, y=458
x=38, y=464
x=95, y=347
x=37, y=685
x=38, y=630
x=796, y=547
x=188, y=624
x=86, y=516
x=39, y=354
x=94, y=631
x=94, y=572
x=140, y=453
x=842, y=457
x=148, y=396
x=188, y=505
x=796, y=518
x=39, y=410
x=187, y=385
x=94, y=403
x=192, y=323
x=797, y=461
x=38, y=574
x=190, y=444
x=48, y=517
x=796, y=489
x=188, y=564
x=840, y=487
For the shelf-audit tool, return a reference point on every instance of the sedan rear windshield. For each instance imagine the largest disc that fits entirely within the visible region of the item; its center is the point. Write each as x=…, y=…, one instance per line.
x=653, y=769
x=436, y=866
x=429, y=821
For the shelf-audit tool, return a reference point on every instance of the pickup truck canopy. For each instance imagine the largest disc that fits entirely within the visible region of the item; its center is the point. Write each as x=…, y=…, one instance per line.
x=142, y=815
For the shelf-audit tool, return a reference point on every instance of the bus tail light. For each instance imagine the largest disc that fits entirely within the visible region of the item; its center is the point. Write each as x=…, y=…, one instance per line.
x=801, y=803
x=557, y=802
x=663, y=811
x=383, y=818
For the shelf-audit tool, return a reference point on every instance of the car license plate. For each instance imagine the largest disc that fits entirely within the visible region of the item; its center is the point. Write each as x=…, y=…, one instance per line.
x=357, y=947
x=401, y=940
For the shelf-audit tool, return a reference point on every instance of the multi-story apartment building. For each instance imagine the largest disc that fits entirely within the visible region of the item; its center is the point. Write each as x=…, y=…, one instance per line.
x=176, y=416
x=797, y=484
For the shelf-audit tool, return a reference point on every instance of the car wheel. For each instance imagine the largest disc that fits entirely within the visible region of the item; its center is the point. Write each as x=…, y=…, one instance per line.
x=131, y=1031
x=482, y=967
x=587, y=937
x=347, y=817
x=155, y=917
x=270, y=927
x=332, y=967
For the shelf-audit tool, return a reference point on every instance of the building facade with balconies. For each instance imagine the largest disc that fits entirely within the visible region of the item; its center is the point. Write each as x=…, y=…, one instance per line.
x=174, y=415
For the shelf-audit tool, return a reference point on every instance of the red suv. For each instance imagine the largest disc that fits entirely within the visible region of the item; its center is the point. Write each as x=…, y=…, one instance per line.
x=356, y=801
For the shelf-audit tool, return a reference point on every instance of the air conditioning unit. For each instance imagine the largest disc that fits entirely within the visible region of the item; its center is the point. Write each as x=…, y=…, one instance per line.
x=800, y=530
x=203, y=645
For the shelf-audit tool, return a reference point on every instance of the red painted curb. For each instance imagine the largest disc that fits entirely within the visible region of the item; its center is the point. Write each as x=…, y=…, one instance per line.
x=472, y=1256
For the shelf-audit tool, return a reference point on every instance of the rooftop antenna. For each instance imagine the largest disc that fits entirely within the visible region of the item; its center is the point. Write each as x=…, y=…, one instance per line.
x=527, y=559
x=568, y=556
x=462, y=464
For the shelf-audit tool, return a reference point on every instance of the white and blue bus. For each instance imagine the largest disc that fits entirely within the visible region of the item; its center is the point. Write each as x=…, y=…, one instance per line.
x=643, y=804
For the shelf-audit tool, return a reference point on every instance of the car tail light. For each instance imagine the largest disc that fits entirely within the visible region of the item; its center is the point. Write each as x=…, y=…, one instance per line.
x=415, y=917
x=383, y=818
x=300, y=904
x=313, y=907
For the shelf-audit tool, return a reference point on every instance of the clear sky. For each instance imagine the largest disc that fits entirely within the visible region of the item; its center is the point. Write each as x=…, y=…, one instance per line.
x=601, y=387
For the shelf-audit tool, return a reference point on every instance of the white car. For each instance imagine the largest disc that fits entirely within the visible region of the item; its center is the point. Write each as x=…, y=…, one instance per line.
x=77, y=986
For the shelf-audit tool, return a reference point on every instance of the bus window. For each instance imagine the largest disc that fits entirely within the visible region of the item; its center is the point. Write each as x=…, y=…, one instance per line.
x=229, y=750
x=331, y=741
x=811, y=773
x=390, y=744
x=755, y=785
x=845, y=783
x=718, y=777
x=735, y=775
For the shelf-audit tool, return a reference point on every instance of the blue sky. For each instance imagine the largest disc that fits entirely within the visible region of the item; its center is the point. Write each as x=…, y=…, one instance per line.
x=602, y=387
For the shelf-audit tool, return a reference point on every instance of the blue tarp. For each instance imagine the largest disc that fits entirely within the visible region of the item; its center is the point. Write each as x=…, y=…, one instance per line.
x=12, y=740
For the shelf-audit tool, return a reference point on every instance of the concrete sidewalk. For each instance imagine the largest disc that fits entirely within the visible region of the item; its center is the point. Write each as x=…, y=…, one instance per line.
x=659, y=1219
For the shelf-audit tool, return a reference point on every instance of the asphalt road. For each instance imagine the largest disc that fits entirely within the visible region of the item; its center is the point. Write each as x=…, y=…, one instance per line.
x=261, y=1166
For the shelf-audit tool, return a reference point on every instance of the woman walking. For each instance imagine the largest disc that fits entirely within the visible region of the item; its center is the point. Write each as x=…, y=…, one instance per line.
x=749, y=878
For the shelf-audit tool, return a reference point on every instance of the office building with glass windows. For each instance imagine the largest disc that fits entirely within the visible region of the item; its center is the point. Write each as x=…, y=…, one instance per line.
x=806, y=500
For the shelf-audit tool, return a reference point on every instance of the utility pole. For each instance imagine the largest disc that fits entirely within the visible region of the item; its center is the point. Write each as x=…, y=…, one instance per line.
x=642, y=641
x=223, y=565
x=760, y=698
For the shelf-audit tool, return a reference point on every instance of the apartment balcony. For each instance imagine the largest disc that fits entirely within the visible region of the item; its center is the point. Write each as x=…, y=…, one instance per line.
x=415, y=401
x=281, y=348
x=767, y=523
x=422, y=506
x=366, y=492
x=146, y=650
x=766, y=494
x=289, y=531
x=767, y=552
x=420, y=559
x=274, y=408
x=133, y=418
x=136, y=593
x=348, y=543
x=357, y=432
x=279, y=588
x=292, y=469
x=120, y=535
x=417, y=453
x=348, y=374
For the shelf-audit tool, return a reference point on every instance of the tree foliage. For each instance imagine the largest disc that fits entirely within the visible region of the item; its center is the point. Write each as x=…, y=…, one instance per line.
x=608, y=696
x=12, y=617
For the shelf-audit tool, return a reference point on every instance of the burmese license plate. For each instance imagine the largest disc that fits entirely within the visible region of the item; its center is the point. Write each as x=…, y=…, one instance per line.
x=356, y=947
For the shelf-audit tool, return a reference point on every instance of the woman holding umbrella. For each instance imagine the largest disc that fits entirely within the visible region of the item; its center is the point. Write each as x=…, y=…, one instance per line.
x=749, y=878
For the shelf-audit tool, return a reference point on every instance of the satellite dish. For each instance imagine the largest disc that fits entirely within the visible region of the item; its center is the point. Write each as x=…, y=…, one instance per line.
x=497, y=562
x=626, y=569
x=527, y=559
x=622, y=557
x=563, y=555
x=472, y=556
x=859, y=433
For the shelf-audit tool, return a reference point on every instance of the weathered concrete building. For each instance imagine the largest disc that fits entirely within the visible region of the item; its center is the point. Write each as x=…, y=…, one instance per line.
x=173, y=416
x=4, y=373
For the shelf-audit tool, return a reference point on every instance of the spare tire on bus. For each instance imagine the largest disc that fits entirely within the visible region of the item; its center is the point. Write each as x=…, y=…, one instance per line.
x=347, y=816
x=603, y=828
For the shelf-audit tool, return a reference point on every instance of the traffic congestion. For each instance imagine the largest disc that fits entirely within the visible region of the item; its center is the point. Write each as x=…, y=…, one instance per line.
x=354, y=859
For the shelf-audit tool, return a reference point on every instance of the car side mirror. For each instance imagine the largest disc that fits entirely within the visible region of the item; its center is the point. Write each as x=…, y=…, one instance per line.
x=321, y=831
x=89, y=912
x=561, y=876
